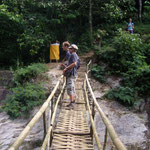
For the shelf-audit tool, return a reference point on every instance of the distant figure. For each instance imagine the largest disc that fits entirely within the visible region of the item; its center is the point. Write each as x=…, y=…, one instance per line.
x=130, y=26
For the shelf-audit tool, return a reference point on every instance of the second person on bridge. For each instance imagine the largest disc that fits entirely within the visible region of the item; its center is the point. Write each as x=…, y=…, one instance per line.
x=71, y=74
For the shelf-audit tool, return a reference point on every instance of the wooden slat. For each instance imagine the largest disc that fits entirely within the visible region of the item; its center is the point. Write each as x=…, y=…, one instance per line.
x=71, y=142
x=80, y=97
x=72, y=121
x=72, y=131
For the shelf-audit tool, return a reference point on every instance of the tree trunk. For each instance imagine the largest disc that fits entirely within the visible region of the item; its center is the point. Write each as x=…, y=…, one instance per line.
x=140, y=10
x=90, y=20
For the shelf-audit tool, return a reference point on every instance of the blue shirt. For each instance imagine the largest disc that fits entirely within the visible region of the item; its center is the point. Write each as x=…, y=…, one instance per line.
x=73, y=58
x=68, y=55
x=130, y=26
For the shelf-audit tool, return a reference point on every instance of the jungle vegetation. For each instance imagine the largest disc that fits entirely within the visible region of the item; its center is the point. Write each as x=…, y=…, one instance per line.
x=27, y=28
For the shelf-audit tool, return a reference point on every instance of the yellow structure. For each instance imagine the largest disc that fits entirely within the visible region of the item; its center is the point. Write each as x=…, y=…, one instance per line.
x=54, y=52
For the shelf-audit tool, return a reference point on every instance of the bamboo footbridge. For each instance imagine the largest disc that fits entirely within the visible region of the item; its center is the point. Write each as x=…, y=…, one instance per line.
x=71, y=129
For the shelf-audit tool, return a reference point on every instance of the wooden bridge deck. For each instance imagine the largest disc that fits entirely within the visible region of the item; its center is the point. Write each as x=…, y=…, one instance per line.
x=72, y=131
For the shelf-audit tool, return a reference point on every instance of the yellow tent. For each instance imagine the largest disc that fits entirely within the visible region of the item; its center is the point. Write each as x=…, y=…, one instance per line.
x=54, y=51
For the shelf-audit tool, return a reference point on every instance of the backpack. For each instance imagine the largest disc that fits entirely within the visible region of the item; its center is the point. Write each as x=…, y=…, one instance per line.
x=78, y=63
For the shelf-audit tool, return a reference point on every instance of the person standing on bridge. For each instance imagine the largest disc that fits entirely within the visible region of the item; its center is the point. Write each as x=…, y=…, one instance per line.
x=71, y=74
x=65, y=47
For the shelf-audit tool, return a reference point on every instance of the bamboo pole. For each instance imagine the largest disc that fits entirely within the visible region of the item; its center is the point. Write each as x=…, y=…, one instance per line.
x=47, y=138
x=87, y=67
x=44, y=124
x=117, y=142
x=52, y=104
x=93, y=114
x=30, y=125
x=49, y=122
x=91, y=119
x=105, y=140
x=71, y=132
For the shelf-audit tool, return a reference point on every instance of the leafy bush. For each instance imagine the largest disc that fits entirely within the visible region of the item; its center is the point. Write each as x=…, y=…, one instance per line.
x=139, y=79
x=33, y=44
x=109, y=56
x=129, y=57
x=126, y=49
x=112, y=12
x=23, y=99
x=98, y=73
x=124, y=95
x=10, y=29
x=142, y=28
x=27, y=73
x=85, y=43
x=146, y=14
x=146, y=48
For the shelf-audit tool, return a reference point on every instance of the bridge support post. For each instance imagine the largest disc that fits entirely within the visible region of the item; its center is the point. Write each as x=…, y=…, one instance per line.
x=52, y=103
x=105, y=140
x=93, y=115
x=49, y=123
x=44, y=124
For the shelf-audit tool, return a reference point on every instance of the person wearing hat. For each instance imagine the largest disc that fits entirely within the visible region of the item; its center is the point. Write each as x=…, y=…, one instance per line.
x=72, y=74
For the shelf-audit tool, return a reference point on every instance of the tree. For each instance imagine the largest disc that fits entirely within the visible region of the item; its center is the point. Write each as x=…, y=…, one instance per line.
x=90, y=19
x=140, y=10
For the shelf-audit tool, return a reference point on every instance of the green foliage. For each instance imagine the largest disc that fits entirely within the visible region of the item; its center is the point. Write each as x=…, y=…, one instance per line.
x=146, y=14
x=128, y=56
x=98, y=73
x=142, y=29
x=85, y=43
x=99, y=35
x=112, y=12
x=139, y=79
x=146, y=49
x=23, y=99
x=125, y=53
x=25, y=74
x=28, y=26
x=10, y=28
x=128, y=8
x=124, y=95
x=31, y=43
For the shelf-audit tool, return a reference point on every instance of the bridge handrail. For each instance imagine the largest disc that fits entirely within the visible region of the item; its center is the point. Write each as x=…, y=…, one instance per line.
x=117, y=142
x=30, y=125
x=91, y=119
x=88, y=66
x=48, y=135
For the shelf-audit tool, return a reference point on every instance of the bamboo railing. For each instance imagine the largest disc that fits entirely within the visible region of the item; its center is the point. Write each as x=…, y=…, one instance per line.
x=52, y=112
x=34, y=120
x=91, y=119
x=109, y=128
x=48, y=135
